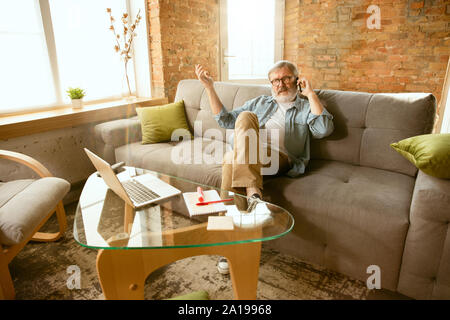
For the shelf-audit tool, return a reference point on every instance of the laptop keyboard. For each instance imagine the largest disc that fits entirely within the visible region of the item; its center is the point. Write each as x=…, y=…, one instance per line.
x=138, y=192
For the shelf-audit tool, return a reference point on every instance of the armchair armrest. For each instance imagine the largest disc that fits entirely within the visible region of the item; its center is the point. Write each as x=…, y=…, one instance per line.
x=425, y=270
x=28, y=161
x=112, y=134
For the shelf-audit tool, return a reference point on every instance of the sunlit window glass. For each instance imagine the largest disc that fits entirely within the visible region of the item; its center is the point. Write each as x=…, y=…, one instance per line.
x=25, y=76
x=251, y=30
x=85, y=46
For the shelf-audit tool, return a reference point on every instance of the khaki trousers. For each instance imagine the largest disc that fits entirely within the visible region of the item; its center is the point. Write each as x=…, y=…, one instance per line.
x=241, y=167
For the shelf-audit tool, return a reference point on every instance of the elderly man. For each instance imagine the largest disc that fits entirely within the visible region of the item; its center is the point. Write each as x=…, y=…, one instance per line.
x=293, y=110
x=297, y=116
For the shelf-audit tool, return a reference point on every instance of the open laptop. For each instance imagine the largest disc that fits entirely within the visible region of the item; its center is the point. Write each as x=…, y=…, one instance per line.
x=138, y=191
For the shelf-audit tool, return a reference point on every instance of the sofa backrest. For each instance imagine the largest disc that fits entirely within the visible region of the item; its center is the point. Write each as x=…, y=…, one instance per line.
x=197, y=106
x=365, y=123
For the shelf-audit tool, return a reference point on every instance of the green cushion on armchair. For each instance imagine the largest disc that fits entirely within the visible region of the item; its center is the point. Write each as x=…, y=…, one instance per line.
x=158, y=123
x=429, y=153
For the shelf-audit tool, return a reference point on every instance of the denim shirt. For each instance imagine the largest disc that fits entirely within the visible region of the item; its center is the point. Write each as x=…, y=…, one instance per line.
x=300, y=125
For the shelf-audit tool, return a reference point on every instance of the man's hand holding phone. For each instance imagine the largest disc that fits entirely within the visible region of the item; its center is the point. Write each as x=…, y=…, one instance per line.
x=307, y=91
x=305, y=87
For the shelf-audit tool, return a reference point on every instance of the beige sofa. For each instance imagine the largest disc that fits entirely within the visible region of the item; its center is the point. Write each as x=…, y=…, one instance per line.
x=359, y=203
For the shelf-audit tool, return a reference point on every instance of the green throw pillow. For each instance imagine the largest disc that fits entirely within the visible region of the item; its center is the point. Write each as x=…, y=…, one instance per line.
x=197, y=295
x=429, y=153
x=158, y=123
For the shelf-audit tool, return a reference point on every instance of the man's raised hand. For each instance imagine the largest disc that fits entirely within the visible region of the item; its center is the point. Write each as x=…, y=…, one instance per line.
x=203, y=76
x=307, y=89
x=208, y=83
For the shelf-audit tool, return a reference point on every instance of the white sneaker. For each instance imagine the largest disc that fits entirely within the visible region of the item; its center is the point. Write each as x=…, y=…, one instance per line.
x=222, y=266
x=253, y=201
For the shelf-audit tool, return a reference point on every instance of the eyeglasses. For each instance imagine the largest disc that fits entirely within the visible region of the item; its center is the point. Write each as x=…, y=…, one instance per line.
x=286, y=80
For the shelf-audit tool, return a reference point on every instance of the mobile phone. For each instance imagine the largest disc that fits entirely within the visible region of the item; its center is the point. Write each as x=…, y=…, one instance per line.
x=298, y=85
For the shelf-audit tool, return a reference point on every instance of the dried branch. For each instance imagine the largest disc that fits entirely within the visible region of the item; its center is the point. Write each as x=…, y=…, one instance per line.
x=128, y=36
x=128, y=33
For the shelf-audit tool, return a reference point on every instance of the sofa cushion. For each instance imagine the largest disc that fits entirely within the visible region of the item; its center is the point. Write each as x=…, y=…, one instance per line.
x=9, y=189
x=346, y=214
x=366, y=124
x=159, y=123
x=28, y=202
x=429, y=153
x=349, y=111
x=198, y=160
x=390, y=118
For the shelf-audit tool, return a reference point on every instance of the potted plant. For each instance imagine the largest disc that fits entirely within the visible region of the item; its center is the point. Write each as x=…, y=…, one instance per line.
x=76, y=94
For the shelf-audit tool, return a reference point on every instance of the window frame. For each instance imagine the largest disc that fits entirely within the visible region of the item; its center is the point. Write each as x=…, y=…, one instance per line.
x=443, y=118
x=143, y=73
x=47, y=25
x=223, y=42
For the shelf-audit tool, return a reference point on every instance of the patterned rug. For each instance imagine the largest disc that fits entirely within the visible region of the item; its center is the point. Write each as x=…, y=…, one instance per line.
x=41, y=272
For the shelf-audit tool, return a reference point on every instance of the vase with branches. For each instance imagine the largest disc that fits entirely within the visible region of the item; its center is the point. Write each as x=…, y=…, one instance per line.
x=124, y=40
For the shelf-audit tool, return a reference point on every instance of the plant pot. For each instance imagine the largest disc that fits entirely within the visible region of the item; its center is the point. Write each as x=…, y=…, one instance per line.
x=77, y=103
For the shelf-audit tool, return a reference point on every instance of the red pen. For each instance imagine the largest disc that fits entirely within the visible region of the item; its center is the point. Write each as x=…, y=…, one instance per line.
x=210, y=202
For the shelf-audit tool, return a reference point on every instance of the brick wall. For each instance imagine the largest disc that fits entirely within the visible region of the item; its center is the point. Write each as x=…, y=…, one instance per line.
x=182, y=34
x=291, y=33
x=328, y=40
x=334, y=47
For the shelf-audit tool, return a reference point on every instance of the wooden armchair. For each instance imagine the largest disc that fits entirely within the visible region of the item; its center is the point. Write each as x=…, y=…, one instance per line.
x=25, y=206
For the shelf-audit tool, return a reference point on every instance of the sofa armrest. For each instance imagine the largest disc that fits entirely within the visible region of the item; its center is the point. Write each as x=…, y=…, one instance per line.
x=425, y=270
x=112, y=134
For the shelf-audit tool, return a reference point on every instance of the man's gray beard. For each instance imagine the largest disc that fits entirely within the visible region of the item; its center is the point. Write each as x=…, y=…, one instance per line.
x=288, y=98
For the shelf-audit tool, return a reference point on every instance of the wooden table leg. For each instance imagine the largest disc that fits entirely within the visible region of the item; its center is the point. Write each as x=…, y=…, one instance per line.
x=122, y=273
x=244, y=262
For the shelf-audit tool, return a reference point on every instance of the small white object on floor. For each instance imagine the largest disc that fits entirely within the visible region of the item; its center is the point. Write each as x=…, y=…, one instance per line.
x=222, y=266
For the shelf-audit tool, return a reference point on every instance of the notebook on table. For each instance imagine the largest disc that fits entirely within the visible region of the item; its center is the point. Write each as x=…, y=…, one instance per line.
x=137, y=191
x=191, y=198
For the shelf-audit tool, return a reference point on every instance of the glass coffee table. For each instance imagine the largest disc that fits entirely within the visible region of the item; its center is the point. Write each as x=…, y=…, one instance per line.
x=133, y=243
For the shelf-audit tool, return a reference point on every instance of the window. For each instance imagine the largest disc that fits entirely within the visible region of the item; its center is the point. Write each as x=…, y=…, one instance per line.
x=444, y=119
x=50, y=45
x=446, y=113
x=251, y=38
